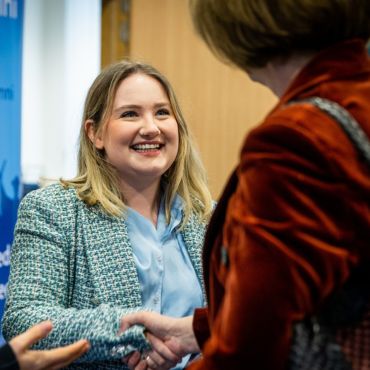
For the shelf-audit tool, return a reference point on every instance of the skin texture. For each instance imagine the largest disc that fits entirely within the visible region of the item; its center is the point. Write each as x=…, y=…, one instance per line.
x=141, y=115
x=177, y=340
x=44, y=360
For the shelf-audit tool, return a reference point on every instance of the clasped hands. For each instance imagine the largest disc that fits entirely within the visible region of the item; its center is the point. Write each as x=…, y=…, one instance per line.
x=170, y=338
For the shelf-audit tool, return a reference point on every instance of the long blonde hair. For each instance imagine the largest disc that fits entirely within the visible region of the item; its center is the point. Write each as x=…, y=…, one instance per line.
x=97, y=181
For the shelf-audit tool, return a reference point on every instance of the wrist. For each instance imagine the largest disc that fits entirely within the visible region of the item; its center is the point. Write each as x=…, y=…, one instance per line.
x=190, y=342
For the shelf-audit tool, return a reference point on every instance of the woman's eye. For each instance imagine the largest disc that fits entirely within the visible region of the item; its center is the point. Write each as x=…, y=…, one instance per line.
x=129, y=114
x=163, y=112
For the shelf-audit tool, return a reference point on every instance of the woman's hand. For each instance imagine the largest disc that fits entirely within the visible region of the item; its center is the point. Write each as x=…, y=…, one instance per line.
x=52, y=359
x=171, y=339
x=159, y=358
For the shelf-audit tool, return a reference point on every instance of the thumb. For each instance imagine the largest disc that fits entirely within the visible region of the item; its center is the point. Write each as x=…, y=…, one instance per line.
x=32, y=335
x=131, y=319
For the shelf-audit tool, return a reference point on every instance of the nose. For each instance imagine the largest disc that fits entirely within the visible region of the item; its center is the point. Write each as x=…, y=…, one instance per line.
x=149, y=127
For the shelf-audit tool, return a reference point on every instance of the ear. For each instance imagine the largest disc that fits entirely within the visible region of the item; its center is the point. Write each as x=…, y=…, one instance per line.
x=90, y=132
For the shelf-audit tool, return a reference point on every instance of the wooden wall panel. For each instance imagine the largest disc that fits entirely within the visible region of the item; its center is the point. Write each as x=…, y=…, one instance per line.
x=115, y=31
x=220, y=103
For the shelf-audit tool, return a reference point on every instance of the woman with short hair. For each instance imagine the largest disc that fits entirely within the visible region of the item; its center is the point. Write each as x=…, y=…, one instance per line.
x=287, y=250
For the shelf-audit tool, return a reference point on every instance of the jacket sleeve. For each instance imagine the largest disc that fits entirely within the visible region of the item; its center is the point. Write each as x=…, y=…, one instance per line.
x=8, y=361
x=38, y=289
x=201, y=326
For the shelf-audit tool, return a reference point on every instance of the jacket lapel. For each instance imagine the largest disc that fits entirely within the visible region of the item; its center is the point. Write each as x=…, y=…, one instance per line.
x=193, y=235
x=111, y=261
x=214, y=230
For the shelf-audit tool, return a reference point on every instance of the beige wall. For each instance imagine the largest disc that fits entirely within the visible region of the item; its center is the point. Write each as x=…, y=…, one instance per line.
x=220, y=103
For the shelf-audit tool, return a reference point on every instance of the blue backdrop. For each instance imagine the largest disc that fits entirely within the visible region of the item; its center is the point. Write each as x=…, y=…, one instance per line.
x=11, y=29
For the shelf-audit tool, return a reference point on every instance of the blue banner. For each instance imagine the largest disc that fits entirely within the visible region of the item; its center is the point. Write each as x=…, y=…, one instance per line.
x=11, y=32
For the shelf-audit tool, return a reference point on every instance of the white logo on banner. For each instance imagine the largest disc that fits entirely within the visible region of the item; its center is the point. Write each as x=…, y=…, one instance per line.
x=5, y=257
x=9, y=9
x=3, y=291
x=4, y=261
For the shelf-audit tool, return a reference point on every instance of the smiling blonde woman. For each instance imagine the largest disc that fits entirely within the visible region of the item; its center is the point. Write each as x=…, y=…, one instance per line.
x=125, y=234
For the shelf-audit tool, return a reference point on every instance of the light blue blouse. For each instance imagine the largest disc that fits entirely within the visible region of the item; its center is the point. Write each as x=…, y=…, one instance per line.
x=169, y=284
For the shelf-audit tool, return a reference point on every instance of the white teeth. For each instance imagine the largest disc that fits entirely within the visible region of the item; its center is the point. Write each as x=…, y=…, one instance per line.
x=146, y=146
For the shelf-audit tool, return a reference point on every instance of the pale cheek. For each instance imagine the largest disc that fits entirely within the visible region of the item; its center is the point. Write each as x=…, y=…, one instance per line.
x=175, y=135
x=123, y=137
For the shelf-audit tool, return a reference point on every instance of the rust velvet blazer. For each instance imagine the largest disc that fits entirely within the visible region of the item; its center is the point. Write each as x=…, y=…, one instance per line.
x=292, y=222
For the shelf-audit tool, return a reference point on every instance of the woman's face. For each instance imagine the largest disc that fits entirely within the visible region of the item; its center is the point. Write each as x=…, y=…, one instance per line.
x=141, y=137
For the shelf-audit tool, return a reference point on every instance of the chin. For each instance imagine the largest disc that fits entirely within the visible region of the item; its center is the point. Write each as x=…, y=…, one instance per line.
x=154, y=173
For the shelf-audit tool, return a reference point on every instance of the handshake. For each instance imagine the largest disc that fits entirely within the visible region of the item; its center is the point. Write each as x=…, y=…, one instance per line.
x=170, y=340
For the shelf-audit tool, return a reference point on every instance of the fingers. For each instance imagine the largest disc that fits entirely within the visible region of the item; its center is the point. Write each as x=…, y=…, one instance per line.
x=142, y=365
x=60, y=357
x=132, y=359
x=161, y=357
x=154, y=361
x=160, y=349
x=150, y=362
x=143, y=318
x=31, y=336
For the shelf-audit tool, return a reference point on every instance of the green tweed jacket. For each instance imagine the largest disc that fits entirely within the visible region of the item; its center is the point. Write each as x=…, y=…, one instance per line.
x=73, y=264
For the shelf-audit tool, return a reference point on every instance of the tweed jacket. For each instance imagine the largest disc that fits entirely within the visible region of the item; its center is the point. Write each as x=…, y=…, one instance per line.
x=292, y=223
x=73, y=264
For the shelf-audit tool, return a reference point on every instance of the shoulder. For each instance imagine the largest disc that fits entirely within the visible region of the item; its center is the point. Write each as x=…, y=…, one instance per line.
x=54, y=197
x=53, y=192
x=52, y=211
x=297, y=135
x=296, y=124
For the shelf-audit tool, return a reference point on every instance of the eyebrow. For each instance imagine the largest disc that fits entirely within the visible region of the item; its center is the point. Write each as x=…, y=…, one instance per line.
x=135, y=106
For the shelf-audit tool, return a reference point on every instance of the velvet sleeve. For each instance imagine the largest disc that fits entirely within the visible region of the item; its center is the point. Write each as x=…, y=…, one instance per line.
x=201, y=326
x=8, y=360
x=287, y=231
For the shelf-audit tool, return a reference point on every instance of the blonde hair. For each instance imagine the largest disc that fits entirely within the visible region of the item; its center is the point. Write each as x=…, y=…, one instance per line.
x=97, y=181
x=250, y=33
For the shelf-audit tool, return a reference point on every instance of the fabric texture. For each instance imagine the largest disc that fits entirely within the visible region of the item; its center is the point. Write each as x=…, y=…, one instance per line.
x=73, y=264
x=165, y=270
x=339, y=334
x=294, y=219
x=8, y=360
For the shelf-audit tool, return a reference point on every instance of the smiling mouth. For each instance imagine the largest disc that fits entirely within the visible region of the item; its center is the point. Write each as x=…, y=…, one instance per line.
x=146, y=147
